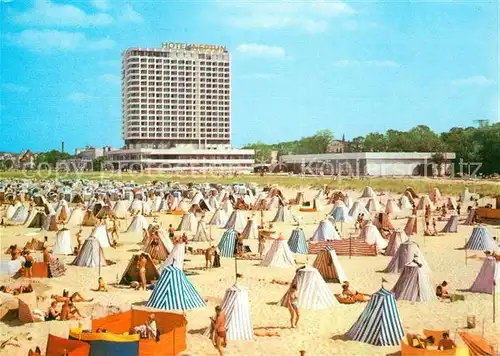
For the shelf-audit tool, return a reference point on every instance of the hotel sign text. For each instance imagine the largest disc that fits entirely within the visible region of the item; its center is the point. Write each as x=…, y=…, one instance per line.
x=199, y=47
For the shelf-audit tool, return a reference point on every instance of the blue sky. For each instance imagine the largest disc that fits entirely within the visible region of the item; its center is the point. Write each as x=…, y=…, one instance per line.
x=297, y=66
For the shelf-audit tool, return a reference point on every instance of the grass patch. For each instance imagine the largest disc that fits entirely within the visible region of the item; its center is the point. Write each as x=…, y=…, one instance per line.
x=385, y=184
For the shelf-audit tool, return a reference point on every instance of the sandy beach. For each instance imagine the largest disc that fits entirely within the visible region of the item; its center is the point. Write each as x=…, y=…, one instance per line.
x=320, y=332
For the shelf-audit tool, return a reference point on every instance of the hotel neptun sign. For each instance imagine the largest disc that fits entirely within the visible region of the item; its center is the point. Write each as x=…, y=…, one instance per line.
x=193, y=47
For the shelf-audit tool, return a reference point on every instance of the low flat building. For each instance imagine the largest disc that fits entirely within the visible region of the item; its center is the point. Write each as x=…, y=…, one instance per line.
x=368, y=164
x=181, y=159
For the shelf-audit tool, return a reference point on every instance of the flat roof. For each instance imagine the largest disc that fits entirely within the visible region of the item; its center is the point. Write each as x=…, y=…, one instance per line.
x=364, y=155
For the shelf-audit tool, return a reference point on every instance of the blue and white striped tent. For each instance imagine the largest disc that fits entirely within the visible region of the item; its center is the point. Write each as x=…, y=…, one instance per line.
x=379, y=324
x=297, y=242
x=227, y=243
x=481, y=240
x=174, y=291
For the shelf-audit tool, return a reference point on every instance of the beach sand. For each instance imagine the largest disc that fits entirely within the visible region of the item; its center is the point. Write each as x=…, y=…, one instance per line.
x=319, y=333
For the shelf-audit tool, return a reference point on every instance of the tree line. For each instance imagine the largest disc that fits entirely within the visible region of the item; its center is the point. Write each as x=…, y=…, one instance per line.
x=472, y=145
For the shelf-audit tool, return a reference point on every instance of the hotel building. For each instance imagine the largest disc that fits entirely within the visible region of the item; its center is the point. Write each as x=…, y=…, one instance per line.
x=176, y=110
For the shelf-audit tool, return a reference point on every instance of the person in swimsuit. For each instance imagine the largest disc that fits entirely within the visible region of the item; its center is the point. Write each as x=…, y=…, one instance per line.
x=141, y=265
x=28, y=265
x=171, y=231
x=52, y=313
x=79, y=239
x=219, y=326
x=293, y=306
x=446, y=343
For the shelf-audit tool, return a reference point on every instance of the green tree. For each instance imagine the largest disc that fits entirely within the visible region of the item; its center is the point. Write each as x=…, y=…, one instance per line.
x=51, y=157
x=98, y=164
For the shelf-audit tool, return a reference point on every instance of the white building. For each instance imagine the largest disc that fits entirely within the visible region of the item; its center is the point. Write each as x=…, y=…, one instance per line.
x=368, y=164
x=176, y=107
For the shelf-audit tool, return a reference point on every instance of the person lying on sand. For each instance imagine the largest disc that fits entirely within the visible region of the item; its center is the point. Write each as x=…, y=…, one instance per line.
x=74, y=298
x=355, y=296
x=16, y=291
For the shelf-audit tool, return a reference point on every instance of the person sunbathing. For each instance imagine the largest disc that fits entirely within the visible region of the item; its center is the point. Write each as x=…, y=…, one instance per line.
x=446, y=343
x=69, y=311
x=52, y=313
x=353, y=296
x=74, y=298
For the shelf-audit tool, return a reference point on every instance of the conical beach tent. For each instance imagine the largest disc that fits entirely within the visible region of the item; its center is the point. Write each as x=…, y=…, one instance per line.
x=411, y=226
x=405, y=203
x=481, y=240
x=101, y=234
x=156, y=249
x=325, y=232
x=138, y=224
x=251, y=230
x=188, y=223
x=131, y=273
x=424, y=202
x=76, y=218
x=121, y=209
x=63, y=243
x=282, y=214
x=488, y=278
x=368, y=193
x=414, y=284
x=50, y=223
x=227, y=243
x=373, y=205
x=297, y=242
x=236, y=307
x=406, y=253
x=340, y=212
x=372, y=236
x=91, y=254
x=219, y=218
x=174, y=291
x=396, y=238
x=89, y=219
x=236, y=221
x=37, y=220
x=201, y=232
x=391, y=207
x=278, y=255
x=379, y=324
x=20, y=215
x=358, y=208
x=328, y=265
x=451, y=225
x=176, y=256
x=312, y=291
x=469, y=220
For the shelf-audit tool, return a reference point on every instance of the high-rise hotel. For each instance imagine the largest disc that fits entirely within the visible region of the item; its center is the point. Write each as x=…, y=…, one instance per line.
x=176, y=110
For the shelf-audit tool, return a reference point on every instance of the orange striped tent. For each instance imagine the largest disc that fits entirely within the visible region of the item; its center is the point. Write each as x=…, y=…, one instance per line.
x=355, y=247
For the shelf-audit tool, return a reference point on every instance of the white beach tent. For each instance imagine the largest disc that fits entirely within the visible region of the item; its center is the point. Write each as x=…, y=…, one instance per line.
x=372, y=236
x=358, y=208
x=121, y=209
x=391, y=207
x=101, y=234
x=312, y=291
x=282, y=214
x=368, y=193
x=373, y=205
x=90, y=255
x=76, y=218
x=138, y=224
x=188, y=223
x=201, y=231
x=236, y=221
x=176, y=257
x=325, y=232
x=63, y=243
x=279, y=255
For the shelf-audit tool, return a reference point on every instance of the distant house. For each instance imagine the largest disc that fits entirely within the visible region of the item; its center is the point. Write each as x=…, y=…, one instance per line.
x=337, y=146
x=27, y=160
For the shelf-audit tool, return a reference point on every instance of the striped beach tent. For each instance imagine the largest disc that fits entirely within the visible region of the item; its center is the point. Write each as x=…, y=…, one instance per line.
x=328, y=265
x=236, y=307
x=325, y=232
x=396, y=238
x=63, y=243
x=138, y=224
x=251, y=230
x=414, y=284
x=312, y=291
x=188, y=223
x=219, y=218
x=236, y=221
x=451, y=225
x=282, y=214
x=90, y=255
x=411, y=226
x=227, y=243
x=278, y=255
x=406, y=253
x=488, y=277
x=481, y=240
x=156, y=249
x=174, y=291
x=176, y=256
x=297, y=242
x=379, y=324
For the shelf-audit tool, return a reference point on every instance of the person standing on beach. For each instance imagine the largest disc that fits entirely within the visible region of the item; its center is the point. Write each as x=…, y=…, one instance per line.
x=293, y=306
x=219, y=328
x=141, y=265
